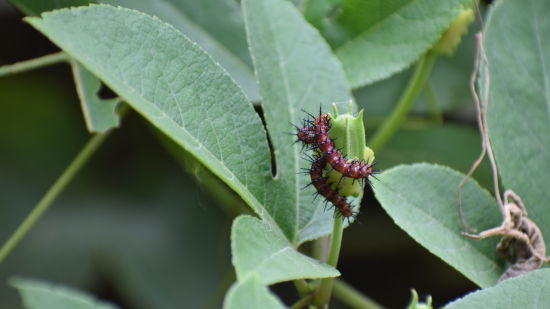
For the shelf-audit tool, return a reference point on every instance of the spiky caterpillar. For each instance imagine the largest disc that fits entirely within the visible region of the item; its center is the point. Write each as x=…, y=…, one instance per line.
x=324, y=188
x=316, y=134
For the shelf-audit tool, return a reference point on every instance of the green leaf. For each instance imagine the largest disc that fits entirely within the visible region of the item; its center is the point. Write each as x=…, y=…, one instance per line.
x=316, y=11
x=421, y=199
x=217, y=26
x=445, y=89
x=531, y=290
x=41, y=295
x=174, y=84
x=100, y=115
x=518, y=51
x=323, y=14
x=394, y=35
x=296, y=70
x=259, y=250
x=251, y=293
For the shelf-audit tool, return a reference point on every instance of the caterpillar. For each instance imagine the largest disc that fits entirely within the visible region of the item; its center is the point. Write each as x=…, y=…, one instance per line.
x=316, y=134
x=324, y=189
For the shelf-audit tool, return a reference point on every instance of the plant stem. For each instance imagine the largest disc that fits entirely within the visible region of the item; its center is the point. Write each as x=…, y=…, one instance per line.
x=325, y=289
x=353, y=298
x=302, y=287
x=399, y=113
x=54, y=191
x=302, y=302
x=32, y=64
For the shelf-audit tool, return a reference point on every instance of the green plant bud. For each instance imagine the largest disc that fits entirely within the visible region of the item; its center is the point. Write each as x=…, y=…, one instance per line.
x=452, y=36
x=348, y=133
x=414, y=304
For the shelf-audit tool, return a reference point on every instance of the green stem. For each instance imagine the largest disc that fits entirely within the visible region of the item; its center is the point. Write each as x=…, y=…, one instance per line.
x=69, y=173
x=302, y=302
x=399, y=113
x=325, y=289
x=349, y=296
x=317, y=249
x=32, y=64
x=302, y=287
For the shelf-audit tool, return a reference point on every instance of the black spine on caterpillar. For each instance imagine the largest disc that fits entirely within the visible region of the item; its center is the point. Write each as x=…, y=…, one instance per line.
x=324, y=188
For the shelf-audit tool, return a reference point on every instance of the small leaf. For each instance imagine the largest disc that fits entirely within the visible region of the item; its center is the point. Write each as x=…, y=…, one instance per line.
x=518, y=51
x=395, y=34
x=100, y=115
x=42, y=295
x=531, y=290
x=251, y=293
x=259, y=250
x=421, y=199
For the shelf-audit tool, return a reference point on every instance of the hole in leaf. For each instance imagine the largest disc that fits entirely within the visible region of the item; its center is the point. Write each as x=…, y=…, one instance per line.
x=260, y=112
x=105, y=92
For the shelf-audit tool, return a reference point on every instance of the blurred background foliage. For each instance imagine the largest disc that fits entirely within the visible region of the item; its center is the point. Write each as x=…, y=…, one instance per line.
x=146, y=227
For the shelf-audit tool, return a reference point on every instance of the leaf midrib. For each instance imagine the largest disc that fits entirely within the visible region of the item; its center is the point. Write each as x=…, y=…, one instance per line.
x=292, y=116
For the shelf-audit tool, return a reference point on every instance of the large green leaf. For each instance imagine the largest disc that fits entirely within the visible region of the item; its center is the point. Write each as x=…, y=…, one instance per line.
x=41, y=295
x=216, y=25
x=251, y=293
x=296, y=70
x=174, y=84
x=518, y=50
x=259, y=250
x=421, y=199
x=531, y=290
x=394, y=35
x=99, y=114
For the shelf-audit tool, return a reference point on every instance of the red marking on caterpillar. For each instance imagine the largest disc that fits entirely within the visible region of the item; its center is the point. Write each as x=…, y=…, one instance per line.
x=325, y=189
x=316, y=134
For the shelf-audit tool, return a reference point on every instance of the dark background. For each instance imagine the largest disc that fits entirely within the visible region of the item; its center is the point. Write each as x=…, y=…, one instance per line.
x=136, y=229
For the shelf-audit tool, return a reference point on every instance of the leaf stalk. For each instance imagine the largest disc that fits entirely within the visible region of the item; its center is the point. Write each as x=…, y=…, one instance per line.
x=349, y=296
x=325, y=289
x=91, y=146
x=399, y=113
x=36, y=63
